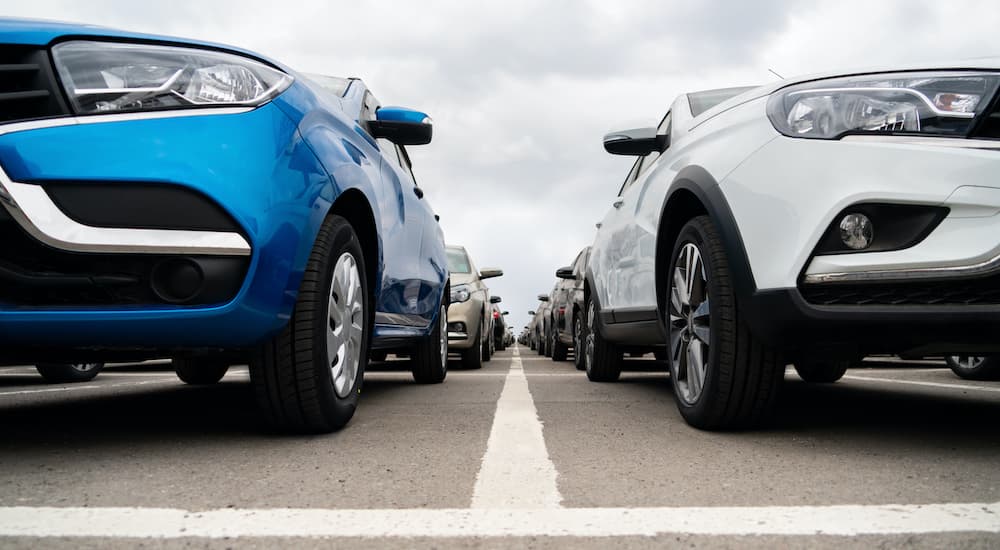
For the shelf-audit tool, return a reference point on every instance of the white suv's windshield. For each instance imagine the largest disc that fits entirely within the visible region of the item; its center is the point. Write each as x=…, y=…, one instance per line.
x=458, y=262
x=705, y=100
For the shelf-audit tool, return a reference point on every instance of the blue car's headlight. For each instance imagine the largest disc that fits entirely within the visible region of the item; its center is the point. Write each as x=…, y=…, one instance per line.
x=104, y=77
x=938, y=103
x=460, y=294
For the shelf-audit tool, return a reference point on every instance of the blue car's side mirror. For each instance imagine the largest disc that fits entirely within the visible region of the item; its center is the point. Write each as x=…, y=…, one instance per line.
x=402, y=126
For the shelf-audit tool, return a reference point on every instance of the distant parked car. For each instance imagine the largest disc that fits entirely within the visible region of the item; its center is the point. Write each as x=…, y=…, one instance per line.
x=499, y=328
x=567, y=310
x=470, y=319
x=975, y=367
x=813, y=221
x=58, y=373
x=171, y=197
x=540, y=322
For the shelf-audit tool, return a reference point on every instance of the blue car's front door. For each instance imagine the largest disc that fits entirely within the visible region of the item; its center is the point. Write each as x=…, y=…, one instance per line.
x=402, y=296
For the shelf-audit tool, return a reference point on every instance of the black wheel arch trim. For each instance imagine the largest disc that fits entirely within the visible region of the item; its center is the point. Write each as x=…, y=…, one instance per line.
x=698, y=182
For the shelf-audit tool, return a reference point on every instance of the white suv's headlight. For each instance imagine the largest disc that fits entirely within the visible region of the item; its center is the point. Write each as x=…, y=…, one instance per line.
x=104, y=77
x=936, y=103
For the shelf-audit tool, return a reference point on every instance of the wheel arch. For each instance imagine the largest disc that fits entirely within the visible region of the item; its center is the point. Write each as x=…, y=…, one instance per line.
x=353, y=206
x=695, y=192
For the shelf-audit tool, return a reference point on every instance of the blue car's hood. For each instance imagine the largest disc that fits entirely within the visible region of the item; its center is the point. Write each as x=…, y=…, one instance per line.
x=40, y=32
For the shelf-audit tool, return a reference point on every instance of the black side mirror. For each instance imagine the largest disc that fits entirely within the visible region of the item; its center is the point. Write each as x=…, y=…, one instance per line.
x=532, y=313
x=495, y=299
x=638, y=142
x=565, y=273
x=506, y=313
x=543, y=297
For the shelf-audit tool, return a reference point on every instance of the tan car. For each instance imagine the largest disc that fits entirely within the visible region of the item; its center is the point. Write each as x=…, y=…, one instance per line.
x=470, y=326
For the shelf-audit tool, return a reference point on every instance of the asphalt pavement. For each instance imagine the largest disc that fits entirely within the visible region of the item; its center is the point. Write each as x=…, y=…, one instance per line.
x=522, y=453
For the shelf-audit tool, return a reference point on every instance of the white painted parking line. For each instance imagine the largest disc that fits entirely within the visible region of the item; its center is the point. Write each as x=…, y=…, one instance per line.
x=921, y=383
x=516, y=471
x=79, y=387
x=843, y=520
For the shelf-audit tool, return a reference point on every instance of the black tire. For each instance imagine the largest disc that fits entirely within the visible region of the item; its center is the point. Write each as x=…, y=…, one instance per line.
x=661, y=355
x=602, y=359
x=378, y=356
x=487, y=348
x=742, y=375
x=971, y=367
x=541, y=344
x=430, y=357
x=548, y=343
x=472, y=358
x=532, y=345
x=559, y=350
x=199, y=370
x=291, y=373
x=62, y=373
x=818, y=371
x=579, y=335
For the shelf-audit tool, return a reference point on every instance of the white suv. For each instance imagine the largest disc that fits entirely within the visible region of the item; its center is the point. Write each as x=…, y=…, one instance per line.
x=814, y=220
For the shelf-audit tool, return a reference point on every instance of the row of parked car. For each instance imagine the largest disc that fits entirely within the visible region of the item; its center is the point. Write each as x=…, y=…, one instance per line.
x=162, y=197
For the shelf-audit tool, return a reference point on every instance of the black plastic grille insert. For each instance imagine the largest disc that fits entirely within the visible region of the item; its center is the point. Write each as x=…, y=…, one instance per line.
x=28, y=88
x=981, y=291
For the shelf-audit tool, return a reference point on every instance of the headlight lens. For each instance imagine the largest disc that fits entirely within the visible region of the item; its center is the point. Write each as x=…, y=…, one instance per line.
x=921, y=103
x=101, y=77
x=460, y=294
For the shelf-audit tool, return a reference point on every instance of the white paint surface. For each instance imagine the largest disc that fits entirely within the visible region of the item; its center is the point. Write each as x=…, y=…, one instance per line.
x=964, y=387
x=80, y=387
x=845, y=520
x=516, y=470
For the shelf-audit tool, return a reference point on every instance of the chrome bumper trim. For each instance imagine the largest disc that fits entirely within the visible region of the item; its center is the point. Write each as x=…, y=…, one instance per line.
x=457, y=336
x=983, y=268
x=33, y=209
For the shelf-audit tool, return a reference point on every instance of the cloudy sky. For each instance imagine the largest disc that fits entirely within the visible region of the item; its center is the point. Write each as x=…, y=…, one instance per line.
x=521, y=92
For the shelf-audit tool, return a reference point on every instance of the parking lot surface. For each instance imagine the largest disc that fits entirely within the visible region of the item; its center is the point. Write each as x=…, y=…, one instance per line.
x=525, y=452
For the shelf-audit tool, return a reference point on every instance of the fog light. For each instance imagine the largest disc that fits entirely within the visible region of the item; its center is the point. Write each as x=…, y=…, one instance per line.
x=456, y=327
x=857, y=231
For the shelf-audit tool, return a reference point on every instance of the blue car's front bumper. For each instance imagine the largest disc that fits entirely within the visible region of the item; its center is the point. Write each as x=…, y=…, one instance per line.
x=252, y=164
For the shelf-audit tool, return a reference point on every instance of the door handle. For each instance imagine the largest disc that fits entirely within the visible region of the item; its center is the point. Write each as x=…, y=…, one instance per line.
x=418, y=192
x=618, y=203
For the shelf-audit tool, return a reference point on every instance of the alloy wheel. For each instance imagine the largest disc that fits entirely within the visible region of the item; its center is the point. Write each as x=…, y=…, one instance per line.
x=588, y=356
x=443, y=329
x=968, y=362
x=85, y=367
x=690, y=324
x=346, y=316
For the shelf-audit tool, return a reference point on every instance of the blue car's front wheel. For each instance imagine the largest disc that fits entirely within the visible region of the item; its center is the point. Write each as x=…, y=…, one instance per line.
x=308, y=378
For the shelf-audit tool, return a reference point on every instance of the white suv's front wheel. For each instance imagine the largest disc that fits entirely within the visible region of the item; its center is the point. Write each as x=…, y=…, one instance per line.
x=722, y=376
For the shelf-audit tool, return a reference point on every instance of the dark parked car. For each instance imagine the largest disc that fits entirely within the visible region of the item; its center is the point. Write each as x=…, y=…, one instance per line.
x=567, y=319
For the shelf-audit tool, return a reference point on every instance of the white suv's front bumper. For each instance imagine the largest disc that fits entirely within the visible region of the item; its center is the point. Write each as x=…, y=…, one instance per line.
x=785, y=196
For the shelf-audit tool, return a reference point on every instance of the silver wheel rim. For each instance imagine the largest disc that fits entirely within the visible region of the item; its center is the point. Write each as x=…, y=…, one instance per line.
x=345, y=327
x=443, y=329
x=577, y=338
x=968, y=362
x=690, y=324
x=588, y=356
x=85, y=367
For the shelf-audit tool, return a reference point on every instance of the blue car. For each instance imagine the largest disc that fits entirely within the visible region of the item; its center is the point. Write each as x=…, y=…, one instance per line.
x=171, y=198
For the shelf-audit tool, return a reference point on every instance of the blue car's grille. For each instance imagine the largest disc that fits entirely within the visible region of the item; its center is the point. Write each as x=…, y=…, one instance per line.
x=28, y=88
